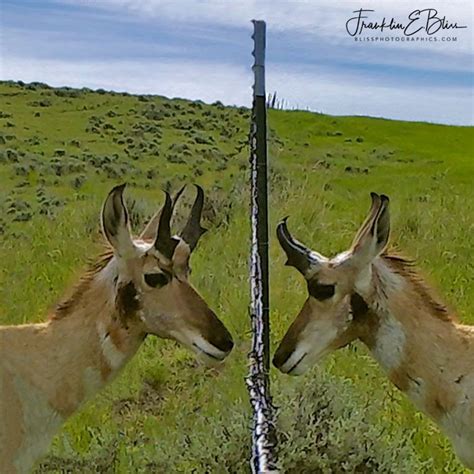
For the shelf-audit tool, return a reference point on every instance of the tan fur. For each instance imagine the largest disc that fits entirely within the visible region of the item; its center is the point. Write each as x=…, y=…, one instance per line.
x=415, y=338
x=48, y=370
x=407, y=269
x=67, y=304
x=436, y=369
x=52, y=358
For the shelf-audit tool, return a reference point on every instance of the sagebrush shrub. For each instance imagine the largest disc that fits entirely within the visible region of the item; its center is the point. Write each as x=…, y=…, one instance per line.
x=324, y=427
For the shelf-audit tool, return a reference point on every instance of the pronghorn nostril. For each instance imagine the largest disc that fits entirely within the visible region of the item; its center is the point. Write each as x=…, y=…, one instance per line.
x=229, y=344
x=219, y=336
x=223, y=343
x=281, y=356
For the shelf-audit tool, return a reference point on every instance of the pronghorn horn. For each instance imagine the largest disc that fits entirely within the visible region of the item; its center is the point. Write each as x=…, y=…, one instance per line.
x=192, y=230
x=164, y=243
x=297, y=254
x=151, y=228
x=178, y=195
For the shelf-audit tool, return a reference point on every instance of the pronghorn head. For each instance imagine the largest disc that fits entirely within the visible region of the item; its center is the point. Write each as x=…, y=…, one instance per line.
x=334, y=313
x=151, y=277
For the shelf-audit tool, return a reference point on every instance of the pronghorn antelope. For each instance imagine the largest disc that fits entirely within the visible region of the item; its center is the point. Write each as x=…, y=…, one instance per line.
x=371, y=294
x=139, y=287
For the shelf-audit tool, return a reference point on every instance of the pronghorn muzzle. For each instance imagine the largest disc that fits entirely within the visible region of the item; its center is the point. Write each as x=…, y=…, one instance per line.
x=218, y=342
x=289, y=355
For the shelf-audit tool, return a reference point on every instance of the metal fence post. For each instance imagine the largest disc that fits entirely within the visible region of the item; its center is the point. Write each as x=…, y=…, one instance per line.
x=263, y=431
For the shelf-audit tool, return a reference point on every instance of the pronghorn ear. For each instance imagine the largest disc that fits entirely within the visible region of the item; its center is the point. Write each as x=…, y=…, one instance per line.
x=372, y=238
x=116, y=223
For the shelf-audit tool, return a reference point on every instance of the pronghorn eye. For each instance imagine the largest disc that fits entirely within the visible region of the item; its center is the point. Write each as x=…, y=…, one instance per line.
x=157, y=280
x=319, y=291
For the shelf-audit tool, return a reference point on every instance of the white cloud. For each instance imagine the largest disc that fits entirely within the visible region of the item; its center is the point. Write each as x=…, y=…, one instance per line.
x=328, y=93
x=195, y=80
x=61, y=56
x=322, y=23
x=348, y=95
x=323, y=18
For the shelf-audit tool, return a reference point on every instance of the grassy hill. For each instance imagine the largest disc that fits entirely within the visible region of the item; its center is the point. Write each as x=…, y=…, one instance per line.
x=61, y=150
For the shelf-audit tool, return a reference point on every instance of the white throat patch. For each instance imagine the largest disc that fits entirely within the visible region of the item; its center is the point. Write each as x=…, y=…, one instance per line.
x=113, y=356
x=389, y=343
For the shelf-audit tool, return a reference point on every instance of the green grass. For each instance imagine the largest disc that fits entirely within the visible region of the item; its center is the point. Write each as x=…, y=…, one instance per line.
x=165, y=413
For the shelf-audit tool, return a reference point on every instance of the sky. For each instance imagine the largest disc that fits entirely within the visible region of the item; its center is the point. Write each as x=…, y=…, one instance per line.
x=202, y=50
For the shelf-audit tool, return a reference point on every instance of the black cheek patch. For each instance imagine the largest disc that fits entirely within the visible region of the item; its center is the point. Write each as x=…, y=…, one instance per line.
x=127, y=302
x=359, y=307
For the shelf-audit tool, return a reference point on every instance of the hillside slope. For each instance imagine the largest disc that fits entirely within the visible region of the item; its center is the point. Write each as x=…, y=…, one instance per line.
x=61, y=150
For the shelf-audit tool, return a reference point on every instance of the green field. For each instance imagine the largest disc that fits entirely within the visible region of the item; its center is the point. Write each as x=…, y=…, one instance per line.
x=61, y=150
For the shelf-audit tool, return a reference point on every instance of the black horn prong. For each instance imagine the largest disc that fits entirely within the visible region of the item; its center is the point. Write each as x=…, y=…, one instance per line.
x=192, y=230
x=178, y=195
x=297, y=254
x=151, y=229
x=164, y=243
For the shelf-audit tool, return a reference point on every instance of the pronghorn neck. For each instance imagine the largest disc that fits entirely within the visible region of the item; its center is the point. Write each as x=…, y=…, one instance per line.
x=48, y=370
x=413, y=338
x=383, y=329
x=424, y=352
x=104, y=321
